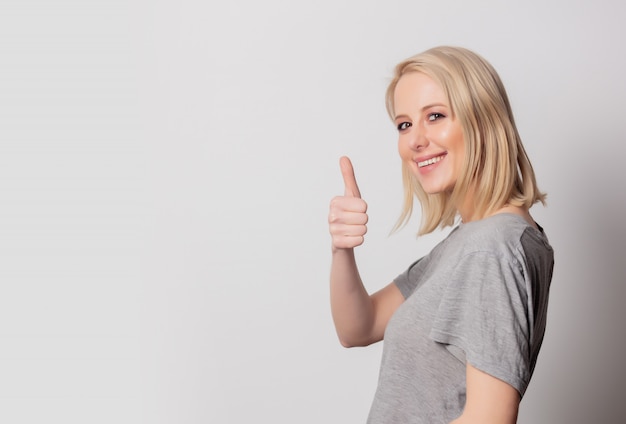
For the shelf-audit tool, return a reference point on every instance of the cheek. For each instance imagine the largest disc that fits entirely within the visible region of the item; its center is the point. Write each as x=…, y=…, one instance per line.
x=403, y=149
x=455, y=141
x=460, y=153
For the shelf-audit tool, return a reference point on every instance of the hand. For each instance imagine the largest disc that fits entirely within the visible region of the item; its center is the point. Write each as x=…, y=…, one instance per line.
x=347, y=217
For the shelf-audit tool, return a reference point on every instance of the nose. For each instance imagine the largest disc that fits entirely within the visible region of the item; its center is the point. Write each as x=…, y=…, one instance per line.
x=417, y=137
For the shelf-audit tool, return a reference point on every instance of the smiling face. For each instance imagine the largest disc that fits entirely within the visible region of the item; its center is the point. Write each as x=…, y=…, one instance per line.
x=431, y=142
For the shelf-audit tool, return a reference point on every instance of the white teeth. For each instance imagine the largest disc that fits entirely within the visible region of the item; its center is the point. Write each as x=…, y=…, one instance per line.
x=429, y=161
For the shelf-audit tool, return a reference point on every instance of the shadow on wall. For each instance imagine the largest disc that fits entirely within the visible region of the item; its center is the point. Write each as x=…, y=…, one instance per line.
x=588, y=337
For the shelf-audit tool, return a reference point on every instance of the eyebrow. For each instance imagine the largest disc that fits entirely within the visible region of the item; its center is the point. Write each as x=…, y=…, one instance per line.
x=403, y=115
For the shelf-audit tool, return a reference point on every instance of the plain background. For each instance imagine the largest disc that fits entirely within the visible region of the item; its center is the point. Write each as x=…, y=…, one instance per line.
x=165, y=173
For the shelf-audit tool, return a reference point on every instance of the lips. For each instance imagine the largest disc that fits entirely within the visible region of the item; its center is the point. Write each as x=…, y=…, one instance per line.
x=430, y=161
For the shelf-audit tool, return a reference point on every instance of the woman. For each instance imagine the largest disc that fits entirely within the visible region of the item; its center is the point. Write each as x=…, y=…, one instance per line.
x=464, y=324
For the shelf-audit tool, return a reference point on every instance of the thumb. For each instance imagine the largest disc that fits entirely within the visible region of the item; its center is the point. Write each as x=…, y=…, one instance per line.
x=351, y=188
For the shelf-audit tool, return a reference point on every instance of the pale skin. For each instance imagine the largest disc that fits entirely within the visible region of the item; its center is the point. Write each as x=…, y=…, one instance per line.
x=360, y=318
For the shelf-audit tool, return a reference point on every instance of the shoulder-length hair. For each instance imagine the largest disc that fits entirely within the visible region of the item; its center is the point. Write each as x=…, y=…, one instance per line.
x=496, y=169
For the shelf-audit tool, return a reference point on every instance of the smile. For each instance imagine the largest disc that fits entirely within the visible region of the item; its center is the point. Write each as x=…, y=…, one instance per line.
x=430, y=161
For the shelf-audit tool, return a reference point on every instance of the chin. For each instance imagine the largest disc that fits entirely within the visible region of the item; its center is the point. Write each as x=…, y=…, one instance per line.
x=438, y=190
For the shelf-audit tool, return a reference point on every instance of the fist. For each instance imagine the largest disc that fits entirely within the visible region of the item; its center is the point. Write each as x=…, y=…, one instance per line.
x=347, y=218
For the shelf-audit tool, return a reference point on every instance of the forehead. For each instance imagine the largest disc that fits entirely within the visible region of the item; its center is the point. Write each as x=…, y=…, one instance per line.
x=417, y=90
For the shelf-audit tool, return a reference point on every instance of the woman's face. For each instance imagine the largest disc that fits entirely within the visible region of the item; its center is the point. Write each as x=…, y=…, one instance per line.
x=430, y=141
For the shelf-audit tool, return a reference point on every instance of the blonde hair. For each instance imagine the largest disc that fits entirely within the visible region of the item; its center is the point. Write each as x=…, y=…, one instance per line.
x=496, y=168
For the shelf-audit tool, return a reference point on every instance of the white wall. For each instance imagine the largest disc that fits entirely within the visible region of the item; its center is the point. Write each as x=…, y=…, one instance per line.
x=165, y=170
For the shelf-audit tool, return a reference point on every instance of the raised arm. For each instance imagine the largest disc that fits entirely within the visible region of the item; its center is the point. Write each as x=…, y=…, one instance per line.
x=360, y=319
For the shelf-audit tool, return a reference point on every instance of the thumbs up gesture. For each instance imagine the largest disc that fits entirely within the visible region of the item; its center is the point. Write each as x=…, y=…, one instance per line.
x=347, y=217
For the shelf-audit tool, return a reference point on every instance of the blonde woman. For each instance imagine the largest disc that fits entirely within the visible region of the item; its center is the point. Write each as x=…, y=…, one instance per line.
x=462, y=326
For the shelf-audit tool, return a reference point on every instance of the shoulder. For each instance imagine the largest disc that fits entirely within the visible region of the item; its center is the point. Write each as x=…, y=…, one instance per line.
x=501, y=234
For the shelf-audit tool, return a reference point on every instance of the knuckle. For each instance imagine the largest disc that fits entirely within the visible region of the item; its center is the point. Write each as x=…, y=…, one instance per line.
x=335, y=201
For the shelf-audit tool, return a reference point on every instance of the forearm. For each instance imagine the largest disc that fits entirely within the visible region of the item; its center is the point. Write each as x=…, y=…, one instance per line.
x=351, y=305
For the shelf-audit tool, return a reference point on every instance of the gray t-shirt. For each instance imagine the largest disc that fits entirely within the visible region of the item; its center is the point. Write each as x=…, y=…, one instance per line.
x=479, y=296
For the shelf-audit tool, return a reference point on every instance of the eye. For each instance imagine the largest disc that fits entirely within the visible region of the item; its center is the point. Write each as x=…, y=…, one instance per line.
x=403, y=126
x=435, y=116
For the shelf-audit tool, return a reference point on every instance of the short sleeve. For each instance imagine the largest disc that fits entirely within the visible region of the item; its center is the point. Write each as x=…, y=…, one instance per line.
x=483, y=312
x=408, y=281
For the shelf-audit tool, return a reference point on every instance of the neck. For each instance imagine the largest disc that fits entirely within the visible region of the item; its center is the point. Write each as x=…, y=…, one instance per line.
x=467, y=209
